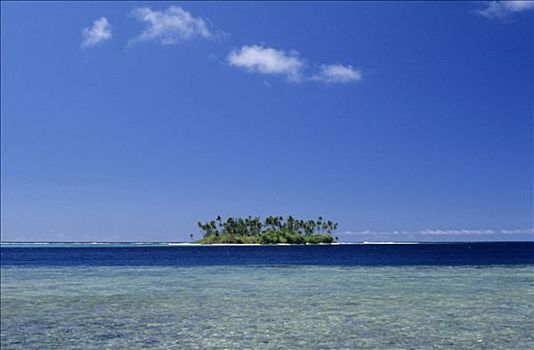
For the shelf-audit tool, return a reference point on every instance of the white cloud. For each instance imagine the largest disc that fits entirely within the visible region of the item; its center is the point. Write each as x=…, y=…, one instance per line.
x=458, y=232
x=266, y=60
x=337, y=73
x=373, y=233
x=503, y=9
x=518, y=231
x=442, y=232
x=270, y=61
x=98, y=33
x=170, y=26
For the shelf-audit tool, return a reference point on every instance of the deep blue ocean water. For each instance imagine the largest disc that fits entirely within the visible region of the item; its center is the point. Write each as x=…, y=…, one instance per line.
x=123, y=296
x=454, y=254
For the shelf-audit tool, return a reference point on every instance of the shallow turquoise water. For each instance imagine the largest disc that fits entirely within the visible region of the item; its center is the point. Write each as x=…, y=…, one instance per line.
x=245, y=307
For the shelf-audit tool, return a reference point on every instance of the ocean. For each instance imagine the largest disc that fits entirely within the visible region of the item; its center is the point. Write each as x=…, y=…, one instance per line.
x=357, y=296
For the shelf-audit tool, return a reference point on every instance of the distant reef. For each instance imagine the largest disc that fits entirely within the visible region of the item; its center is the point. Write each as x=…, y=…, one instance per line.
x=273, y=230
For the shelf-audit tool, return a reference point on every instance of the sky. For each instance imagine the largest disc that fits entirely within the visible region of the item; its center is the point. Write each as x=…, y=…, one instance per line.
x=401, y=121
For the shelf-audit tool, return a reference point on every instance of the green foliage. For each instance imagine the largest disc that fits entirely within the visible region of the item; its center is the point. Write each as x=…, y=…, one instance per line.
x=273, y=230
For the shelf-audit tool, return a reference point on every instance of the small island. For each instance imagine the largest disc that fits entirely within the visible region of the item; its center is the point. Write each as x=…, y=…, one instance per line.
x=273, y=230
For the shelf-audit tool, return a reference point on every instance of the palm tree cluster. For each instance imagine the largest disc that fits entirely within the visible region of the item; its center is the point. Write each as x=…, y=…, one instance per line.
x=274, y=229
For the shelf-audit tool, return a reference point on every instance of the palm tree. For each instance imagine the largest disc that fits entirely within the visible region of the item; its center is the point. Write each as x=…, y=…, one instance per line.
x=310, y=227
x=329, y=226
x=219, y=223
x=203, y=228
x=256, y=226
x=281, y=223
x=277, y=222
x=290, y=223
x=213, y=227
x=269, y=222
x=319, y=224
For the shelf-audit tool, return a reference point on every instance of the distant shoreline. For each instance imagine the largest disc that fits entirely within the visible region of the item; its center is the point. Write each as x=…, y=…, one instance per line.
x=186, y=244
x=190, y=244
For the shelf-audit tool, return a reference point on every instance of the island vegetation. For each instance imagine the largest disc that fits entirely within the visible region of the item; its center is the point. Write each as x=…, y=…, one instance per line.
x=273, y=230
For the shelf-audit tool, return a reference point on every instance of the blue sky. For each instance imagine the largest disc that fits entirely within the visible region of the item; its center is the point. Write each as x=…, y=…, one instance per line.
x=130, y=121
